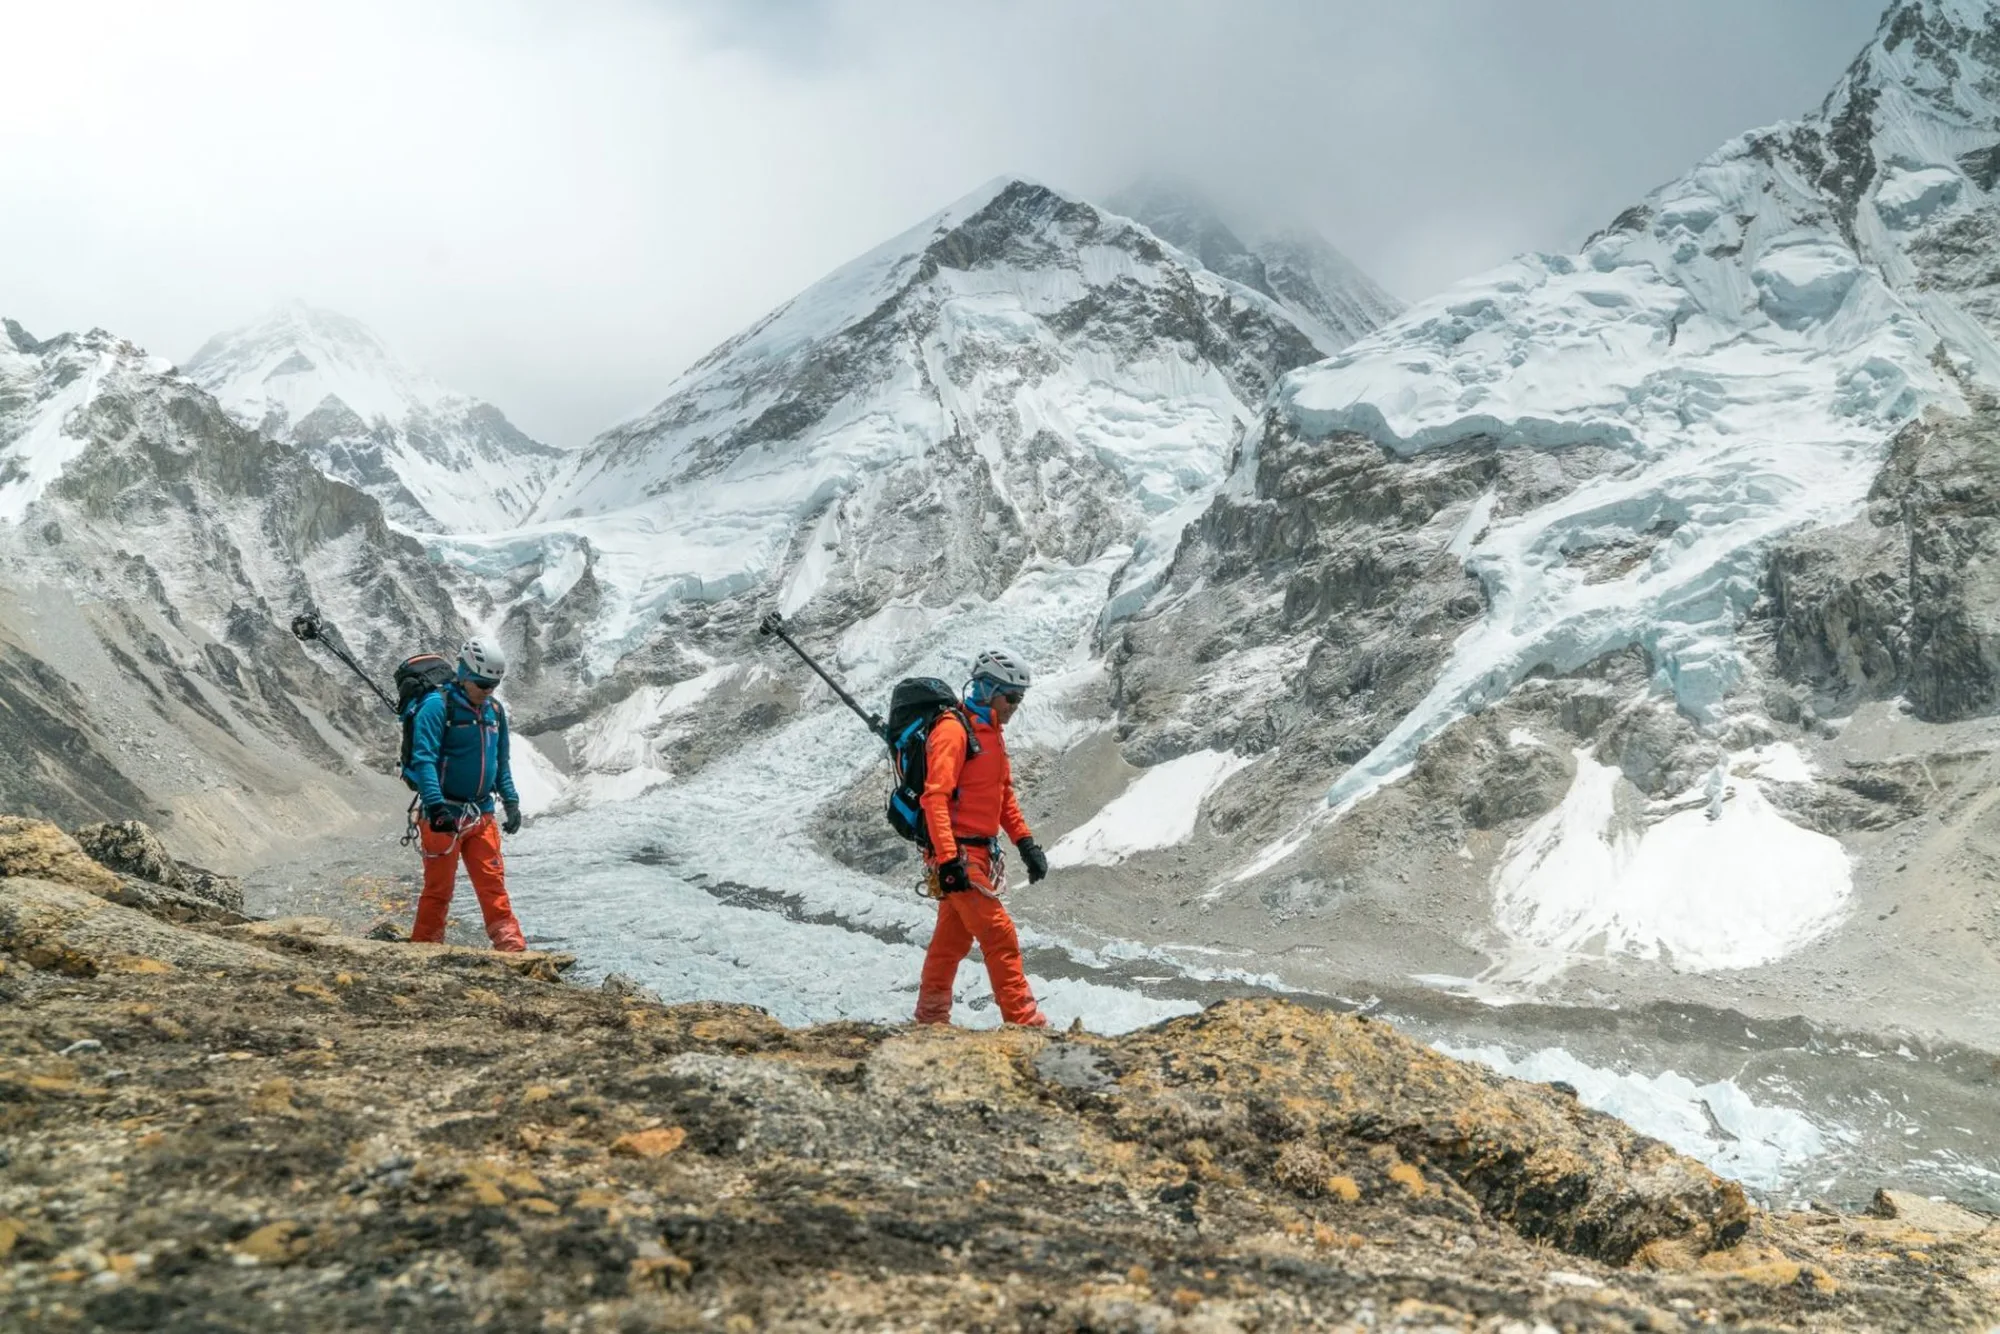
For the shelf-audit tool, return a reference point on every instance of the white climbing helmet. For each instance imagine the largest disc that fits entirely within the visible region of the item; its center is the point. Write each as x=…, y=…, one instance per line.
x=483, y=660
x=1004, y=669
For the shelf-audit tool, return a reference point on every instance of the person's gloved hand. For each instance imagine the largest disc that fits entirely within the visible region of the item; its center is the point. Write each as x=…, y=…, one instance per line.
x=951, y=875
x=441, y=818
x=512, y=824
x=1034, y=859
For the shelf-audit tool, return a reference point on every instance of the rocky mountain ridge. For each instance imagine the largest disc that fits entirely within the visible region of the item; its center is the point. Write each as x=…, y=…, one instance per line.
x=152, y=556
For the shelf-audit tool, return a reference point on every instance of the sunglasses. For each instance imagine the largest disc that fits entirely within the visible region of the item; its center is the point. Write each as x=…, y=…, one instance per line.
x=1011, y=696
x=483, y=682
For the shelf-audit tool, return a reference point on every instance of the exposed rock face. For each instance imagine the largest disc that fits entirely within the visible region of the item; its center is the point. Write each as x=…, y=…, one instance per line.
x=36, y=849
x=591, y=1155
x=129, y=846
x=58, y=762
x=39, y=850
x=1319, y=606
x=1315, y=612
x=1492, y=776
x=133, y=848
x=1906, y=599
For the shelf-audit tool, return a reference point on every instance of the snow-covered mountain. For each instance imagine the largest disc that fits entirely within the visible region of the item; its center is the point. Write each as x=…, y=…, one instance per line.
x=1739, y=347
x=1296, y=267
x=1556, y=610
x=152, y=554
x=1020, y=383
x=438, y=461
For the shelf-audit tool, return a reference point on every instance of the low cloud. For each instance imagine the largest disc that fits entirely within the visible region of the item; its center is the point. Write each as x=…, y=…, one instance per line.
x=560, y=208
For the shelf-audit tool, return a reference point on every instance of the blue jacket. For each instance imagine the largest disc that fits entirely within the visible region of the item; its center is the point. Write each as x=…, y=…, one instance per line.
x=458, y=753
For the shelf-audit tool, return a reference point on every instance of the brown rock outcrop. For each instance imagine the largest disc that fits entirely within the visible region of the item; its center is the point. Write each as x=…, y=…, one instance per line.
x=39, y=850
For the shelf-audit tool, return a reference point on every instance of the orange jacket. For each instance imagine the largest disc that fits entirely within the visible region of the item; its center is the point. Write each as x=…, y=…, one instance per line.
x=968, y=797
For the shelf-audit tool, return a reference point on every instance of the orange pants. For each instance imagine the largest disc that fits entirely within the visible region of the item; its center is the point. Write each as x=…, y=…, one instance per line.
x=479, y=844
x=964, y=917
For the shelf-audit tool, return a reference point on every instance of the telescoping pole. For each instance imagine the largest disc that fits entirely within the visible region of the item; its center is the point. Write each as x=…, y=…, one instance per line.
x=308, y=626
x=774, y=624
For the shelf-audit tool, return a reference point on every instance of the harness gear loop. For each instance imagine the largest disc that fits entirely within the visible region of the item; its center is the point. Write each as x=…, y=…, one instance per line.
x=469, y=815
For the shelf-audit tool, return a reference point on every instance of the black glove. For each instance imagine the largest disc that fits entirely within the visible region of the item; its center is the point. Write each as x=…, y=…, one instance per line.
x=1034, y=859
x=442, y=819
x=951, y=875
x=512, y=824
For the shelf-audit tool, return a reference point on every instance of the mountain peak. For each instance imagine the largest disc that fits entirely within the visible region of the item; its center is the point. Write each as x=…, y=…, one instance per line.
x=1021, y=381
x=437, y=460
x=1943, y=52
x=291, y=359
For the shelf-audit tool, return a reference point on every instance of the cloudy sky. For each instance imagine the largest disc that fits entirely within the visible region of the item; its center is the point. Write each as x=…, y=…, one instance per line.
x=558, y=207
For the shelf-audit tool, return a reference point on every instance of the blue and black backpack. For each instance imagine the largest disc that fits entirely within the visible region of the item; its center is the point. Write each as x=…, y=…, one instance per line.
x=914, y=706
x=416, y=678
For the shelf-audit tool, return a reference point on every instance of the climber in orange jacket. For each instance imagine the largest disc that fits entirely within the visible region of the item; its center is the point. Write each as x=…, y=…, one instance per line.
x=968, y=801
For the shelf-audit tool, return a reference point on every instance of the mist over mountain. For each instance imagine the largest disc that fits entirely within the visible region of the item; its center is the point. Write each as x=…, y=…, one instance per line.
x=438, y=461
x=1294, y=266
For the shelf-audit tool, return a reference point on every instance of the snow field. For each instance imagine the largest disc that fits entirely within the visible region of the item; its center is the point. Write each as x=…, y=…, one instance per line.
x=1717, y=878
x=1158, y=810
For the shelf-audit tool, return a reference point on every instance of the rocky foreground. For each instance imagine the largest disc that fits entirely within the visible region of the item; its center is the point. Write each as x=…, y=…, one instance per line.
x=208, y=1123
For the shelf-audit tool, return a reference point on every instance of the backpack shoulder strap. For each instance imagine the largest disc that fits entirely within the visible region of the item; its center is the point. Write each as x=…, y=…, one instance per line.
x=457, y=706
x=965, y=723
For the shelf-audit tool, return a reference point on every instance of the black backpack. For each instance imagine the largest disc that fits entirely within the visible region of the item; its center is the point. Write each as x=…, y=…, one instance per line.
x=916, y=704
x=416, y=678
